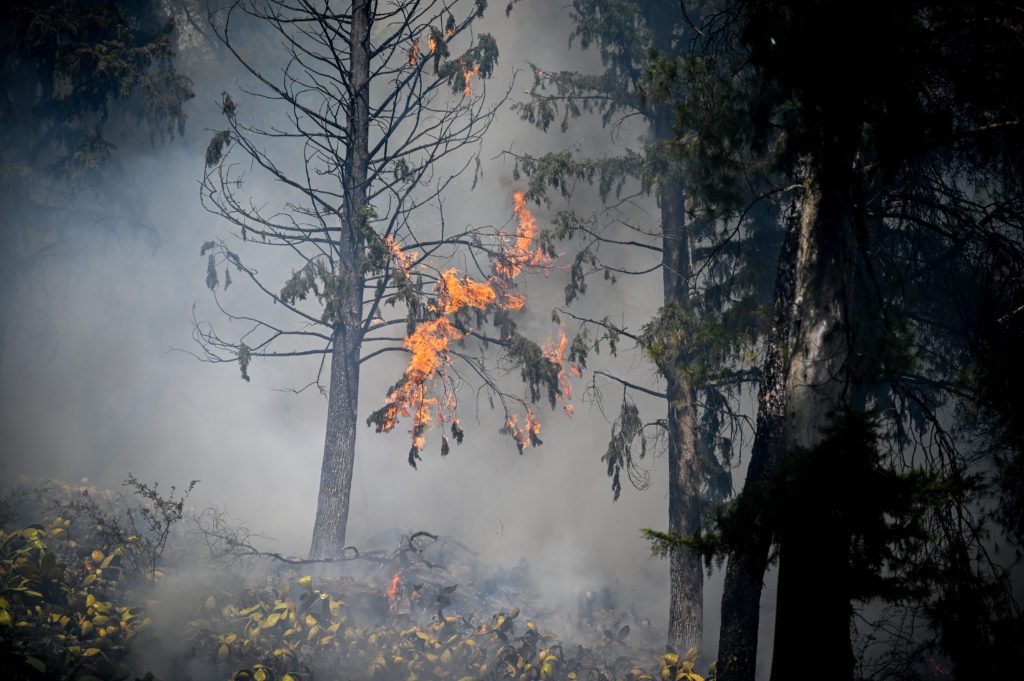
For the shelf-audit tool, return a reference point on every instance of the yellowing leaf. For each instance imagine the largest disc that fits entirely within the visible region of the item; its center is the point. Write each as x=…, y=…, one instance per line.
x=306, y=581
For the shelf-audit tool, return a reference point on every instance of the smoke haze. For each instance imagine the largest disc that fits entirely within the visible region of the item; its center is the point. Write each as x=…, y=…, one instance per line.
x=96, y=384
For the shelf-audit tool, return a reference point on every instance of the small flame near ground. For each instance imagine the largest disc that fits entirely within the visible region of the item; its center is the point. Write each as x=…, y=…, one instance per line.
x=393, y=590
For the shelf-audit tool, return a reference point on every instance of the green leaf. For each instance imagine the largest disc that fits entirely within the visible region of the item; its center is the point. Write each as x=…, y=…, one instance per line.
x=36, y=664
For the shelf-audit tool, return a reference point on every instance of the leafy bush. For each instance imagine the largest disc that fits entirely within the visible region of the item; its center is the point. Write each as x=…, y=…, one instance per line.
x=61, y=616
x=71, y=596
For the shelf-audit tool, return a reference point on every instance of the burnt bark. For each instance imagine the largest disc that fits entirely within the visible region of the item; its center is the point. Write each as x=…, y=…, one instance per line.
x=812, y=630
x=686, y=575
x=748, y=557
x=343, y=397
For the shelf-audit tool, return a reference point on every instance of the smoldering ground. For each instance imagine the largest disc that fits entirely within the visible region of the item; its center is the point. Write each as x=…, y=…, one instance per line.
x=93, y=386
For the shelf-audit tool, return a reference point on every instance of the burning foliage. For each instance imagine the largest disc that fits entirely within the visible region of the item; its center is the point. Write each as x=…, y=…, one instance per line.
x=427, y=390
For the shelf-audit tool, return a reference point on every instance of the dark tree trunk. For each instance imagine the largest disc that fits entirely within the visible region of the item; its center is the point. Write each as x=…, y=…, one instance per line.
x=748, y=560
x=339, y=450
x=343, y=401
x=686, y=575
x=812, y=630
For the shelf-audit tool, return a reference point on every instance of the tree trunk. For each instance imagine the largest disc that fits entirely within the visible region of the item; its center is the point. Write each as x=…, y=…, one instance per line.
x=343, y=399
x=748, y=560
x=812, y=630
x=686, y=575
x=339, y=450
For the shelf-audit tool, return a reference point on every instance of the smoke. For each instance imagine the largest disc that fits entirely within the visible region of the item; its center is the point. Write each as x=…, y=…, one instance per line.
x=93, y=385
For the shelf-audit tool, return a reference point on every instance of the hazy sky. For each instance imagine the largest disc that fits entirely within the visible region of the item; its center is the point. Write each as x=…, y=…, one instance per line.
x=92, y=387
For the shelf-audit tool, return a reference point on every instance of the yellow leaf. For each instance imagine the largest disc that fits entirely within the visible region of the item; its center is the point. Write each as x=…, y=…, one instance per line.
x=89, y=652
x=306, y=581
x=96, y=556
x=223, y=651
x=90, y=600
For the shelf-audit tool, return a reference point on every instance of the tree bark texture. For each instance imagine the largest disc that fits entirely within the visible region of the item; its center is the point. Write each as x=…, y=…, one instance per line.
x=812, y=630
x=343, y=396
x=686, y=575
x=747, y=561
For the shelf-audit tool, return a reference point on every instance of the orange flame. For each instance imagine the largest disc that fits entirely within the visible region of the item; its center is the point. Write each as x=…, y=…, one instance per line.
x=555, y=353
x=403, y=259
x=430, y=341
x=432, y=43
x=392, y=591
x=456, y=293
x=468, y=74
x=414, y=52
x=526, y=435
x=522, y=253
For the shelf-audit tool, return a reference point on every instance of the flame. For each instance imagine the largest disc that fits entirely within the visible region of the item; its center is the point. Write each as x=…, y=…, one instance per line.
x=392, y=591
x=526, y=435
x=468, y=74
x=432, y=43
x=555, y=353
x=430, y=341
x=456, y=293
x=403, y=259
x=414, y=52
x=522, y=252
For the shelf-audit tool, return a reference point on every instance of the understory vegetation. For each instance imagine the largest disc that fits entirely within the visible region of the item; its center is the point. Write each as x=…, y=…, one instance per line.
x=101, y=585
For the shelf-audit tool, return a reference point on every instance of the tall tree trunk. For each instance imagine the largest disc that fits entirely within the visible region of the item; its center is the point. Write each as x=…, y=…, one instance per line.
x=339, y=450
x=748, y=560
x=812, y=630
x=686, y=575
x=343, y=400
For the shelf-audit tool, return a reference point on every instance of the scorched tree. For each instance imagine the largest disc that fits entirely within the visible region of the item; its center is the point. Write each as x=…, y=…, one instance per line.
x=382, y=108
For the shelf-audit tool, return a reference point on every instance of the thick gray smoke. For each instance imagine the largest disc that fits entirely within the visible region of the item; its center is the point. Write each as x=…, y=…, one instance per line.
x=92, y=386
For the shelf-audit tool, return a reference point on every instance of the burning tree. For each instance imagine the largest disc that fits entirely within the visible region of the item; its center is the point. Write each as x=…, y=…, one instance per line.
x=386, y=115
